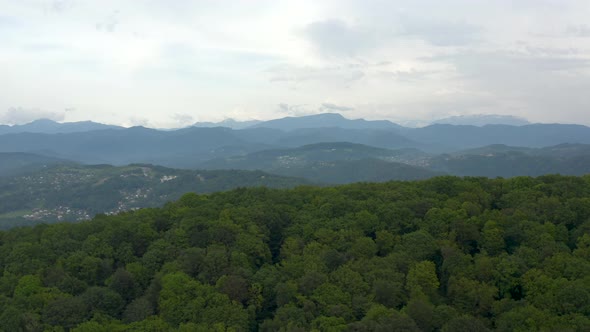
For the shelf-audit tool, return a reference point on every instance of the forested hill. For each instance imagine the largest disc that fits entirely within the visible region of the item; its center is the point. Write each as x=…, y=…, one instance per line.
x=445, y=254
x=78, y=192
x=17, y=163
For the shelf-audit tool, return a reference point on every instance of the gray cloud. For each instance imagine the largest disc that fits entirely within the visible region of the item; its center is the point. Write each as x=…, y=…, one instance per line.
x=8, y=22
x=411, y=75
x=423, y=57
x=549, y=88
x=20, y=115
x=328, y=107
x=183, y=119
x=295, y=110
x=60, y=6
x=336, y=37
x=43, y=47
x=110, y=23
x=139, y=121
x=510, y=65
x=580, y=30
x=296, y=74
x=440, y=32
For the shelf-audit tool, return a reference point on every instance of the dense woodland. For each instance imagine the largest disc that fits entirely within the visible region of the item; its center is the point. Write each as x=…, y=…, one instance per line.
x=85, y=190
x=445, y=254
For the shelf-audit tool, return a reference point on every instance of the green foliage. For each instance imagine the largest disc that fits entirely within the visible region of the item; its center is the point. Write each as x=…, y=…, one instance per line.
x=69, y=192
x=399, y=256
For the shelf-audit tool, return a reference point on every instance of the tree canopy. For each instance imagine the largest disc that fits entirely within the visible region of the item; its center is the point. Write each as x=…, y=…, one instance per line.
x=445, y=254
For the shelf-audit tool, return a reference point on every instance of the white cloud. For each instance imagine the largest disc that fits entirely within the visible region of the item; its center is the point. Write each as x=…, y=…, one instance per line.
x=380, y=58
x=336, y=37
x=20, y=115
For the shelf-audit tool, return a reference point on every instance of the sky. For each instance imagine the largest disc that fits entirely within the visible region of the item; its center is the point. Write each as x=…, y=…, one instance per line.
x=170, y=63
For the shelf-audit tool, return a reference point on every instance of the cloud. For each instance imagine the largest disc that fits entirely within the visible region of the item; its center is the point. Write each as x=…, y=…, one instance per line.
x=511, y=64
x=411, y=75
x=295, y=110
x=7, y=22
x=328, y=107
x=183, y=119
x=209, y=59
x=441, y=32
x=336, y=37
x=542, y=88
x=297, y=74
x=60, y=6
x=110, y=23
x=20, y=115
x=43, y=47
x=580, y=30
x=138, y=121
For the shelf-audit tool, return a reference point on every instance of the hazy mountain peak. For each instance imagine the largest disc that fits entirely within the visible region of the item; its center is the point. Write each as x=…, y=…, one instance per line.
x=47, y=126
x=42, y=121
x=325, y=120
x=229, y=123
x=481, y=120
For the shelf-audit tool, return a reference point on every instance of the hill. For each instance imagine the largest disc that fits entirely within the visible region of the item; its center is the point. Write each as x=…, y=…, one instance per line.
x=382, y=138
x=229, y=123
x=450, y=137
x=14, y=163
x=445, y=254
x=79, y=192
x=506, y=161
x=324, y=120
x=189, y=147
x=183, y=148
x=339, y=162
x=482, y=120
x=46, y=126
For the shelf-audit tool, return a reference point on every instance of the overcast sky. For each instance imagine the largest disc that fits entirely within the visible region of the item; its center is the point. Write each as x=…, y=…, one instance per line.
x=169, y=63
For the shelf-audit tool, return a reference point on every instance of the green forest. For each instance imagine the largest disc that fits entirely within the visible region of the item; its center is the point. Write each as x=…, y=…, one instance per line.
x=444, y=254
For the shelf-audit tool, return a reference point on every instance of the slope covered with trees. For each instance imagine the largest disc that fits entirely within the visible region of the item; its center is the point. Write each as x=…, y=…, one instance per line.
x=78, y=192
x=506, y=161
x=16, y=163
x=333, y=162
x=445, y=254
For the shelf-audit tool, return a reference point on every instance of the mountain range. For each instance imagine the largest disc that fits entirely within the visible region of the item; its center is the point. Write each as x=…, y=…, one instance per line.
x=481, y=120
x=339, y=162
x=325, y=120
x=47, y=126
x=506, y=161
x=228, y=123
x=49, y=170
x=189, y=147
x=322, y=148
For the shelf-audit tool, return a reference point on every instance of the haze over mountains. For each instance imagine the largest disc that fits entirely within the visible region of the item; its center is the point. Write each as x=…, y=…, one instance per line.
x=47, y=126
x=54, y=161
x=482, y=120
x=287, y=124
x=87, y=142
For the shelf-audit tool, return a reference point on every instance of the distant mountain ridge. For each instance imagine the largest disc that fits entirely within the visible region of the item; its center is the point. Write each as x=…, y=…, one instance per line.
x=14, y=163
x=325, y=120
x=229, y=123
x=481, y=120
x=338, y=162
x=46, y=126
x=192, y=146
x=459, y=137
x=506, y=161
